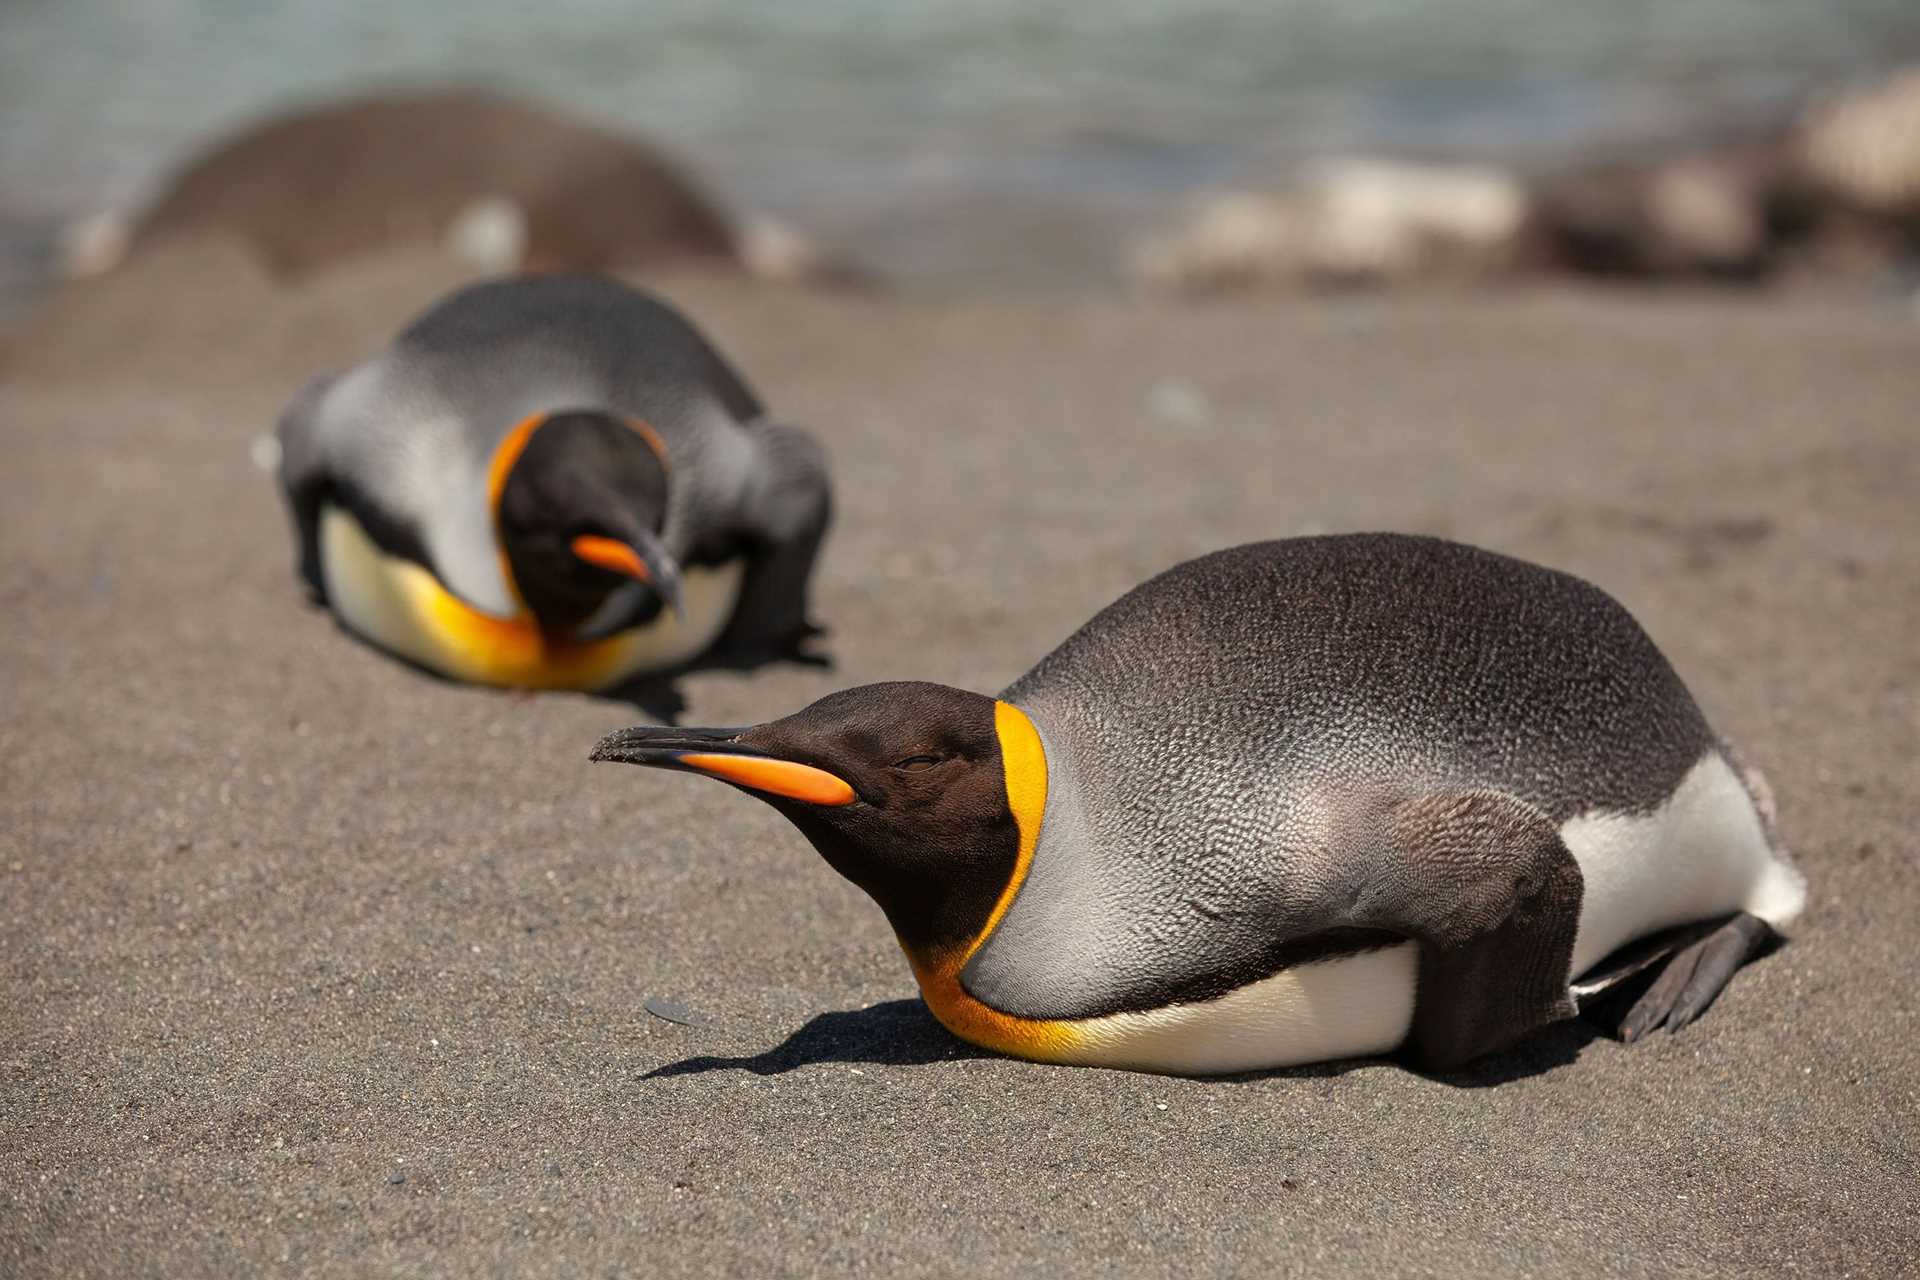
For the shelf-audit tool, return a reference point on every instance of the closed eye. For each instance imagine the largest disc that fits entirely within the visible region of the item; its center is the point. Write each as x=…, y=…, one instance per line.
x=915, y=763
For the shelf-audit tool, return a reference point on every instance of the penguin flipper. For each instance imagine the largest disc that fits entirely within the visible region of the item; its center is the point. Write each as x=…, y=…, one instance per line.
x=785, y=511
x=304, y=477
x=1483, y=882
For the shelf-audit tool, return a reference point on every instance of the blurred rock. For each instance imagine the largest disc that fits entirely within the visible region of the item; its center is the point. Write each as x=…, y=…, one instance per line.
x=1705, y=213
x=1376, y=219
x=1235, y=239
x=499, y=182
x=1832, y=197
x=1179, y=404
x=773, y=250
x=92, y=245
x=1860, y=149
x=1351, y=221
x=491, y=235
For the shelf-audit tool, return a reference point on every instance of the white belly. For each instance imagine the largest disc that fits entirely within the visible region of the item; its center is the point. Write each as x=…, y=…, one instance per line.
x=1347, y=1008
x=401, y=607
x=1700, y=855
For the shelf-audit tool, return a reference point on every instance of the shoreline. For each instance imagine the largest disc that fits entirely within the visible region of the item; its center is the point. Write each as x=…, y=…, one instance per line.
x=1719, y=192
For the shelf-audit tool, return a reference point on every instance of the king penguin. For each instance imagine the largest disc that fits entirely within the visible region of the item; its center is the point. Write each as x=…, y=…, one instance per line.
x=554, y=482
x=1295, y=801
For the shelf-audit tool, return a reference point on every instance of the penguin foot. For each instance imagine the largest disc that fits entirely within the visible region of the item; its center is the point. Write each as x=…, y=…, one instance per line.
x=1695, y=976
x=795, y=648
x=746, y=653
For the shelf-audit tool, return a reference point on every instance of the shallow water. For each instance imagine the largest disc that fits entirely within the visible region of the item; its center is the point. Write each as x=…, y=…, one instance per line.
x=1017, y=139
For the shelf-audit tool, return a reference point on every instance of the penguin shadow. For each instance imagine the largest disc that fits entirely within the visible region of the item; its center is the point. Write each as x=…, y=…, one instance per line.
x=1600, y=1017
x=1546, y=1049
x=894, y=1033
x=655, y=694
x=1551, y=1047
x=902, y=1033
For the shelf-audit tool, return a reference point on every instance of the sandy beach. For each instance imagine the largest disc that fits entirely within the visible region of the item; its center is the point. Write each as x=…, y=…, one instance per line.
x=316, y=965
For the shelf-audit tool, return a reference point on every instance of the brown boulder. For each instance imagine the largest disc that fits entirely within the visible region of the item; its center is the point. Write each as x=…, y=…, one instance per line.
x=1702, y=213
x=315, y=185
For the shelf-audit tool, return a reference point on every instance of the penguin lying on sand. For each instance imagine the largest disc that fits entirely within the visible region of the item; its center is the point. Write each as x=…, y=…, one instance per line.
x=554, y=483
x=1290, y=802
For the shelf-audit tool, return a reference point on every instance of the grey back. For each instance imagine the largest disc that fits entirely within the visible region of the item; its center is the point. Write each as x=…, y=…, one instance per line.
x=1215, y=736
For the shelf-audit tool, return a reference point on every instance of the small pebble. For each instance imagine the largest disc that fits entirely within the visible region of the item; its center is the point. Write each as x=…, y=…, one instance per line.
x=1179, y=404
x=672, y=1011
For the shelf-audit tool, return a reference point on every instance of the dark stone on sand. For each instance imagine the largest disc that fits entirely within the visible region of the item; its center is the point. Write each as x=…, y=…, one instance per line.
x=381, y=171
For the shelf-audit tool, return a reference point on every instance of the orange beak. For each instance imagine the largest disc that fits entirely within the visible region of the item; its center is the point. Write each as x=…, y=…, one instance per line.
x=786, y=778
x=715, y=753
x=611, y=554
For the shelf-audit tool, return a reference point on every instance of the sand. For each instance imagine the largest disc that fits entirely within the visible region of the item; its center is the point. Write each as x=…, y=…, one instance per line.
x=315, y=965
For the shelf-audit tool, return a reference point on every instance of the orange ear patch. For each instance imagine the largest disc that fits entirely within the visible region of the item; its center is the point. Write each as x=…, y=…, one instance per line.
x=508, y=452
x=786, y=778
x=610, y=553
x=654, y=442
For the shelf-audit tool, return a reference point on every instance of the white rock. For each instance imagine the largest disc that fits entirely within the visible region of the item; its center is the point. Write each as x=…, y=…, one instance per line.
x=772, y=250
x=1349, y=219
x=1179, y=404
x=93, y=245
x=1863, y=145
x=1233, y=238
x=265, y=452
x=1382, y=218
x=490, y=235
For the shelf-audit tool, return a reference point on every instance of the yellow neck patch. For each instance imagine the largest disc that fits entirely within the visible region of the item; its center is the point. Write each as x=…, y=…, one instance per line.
x=1025, y=763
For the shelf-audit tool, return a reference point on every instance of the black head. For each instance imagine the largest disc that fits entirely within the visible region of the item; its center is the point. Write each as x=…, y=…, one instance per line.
x=901, y=787
x=579, y=512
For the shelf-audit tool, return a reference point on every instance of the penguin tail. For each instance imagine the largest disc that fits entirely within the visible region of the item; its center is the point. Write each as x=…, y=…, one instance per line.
x=1781, y=893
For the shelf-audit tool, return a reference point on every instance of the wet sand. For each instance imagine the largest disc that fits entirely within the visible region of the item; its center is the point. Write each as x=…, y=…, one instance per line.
x=317, y=965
